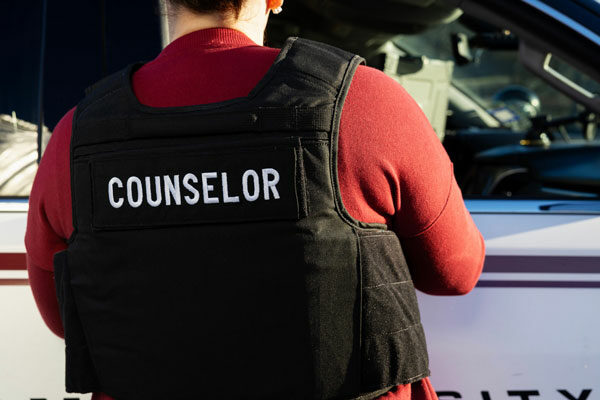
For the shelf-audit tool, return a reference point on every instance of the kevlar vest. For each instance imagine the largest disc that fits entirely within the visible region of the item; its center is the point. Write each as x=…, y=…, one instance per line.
x=213, y=258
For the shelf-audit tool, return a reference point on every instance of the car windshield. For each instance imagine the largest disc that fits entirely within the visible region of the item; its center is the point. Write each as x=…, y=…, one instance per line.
x=494, y=69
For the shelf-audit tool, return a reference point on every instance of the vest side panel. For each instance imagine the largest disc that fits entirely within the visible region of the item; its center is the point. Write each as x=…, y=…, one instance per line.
x=393, y=347
x=394, y=350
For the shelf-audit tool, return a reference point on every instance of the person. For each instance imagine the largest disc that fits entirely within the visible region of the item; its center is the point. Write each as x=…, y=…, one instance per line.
x=285, y=286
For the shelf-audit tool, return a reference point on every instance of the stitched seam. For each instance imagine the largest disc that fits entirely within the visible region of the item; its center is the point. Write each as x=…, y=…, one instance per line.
x=378, y=234
x=85, y=109
x=306, y=79
x=272, y=72
x=399, y=330
x=387, y=284
x=438, y=216
x=304, y=181
x=418, y=376
x=403, y=382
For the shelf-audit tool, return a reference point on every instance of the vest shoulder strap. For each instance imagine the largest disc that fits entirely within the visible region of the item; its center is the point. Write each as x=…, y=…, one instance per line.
x=302, y=91
x=107, y=85
x=322, y=61
x=317, y=63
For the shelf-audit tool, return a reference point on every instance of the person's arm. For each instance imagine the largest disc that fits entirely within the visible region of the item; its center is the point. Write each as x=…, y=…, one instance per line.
x=446, y=258
x=394, y=170
x=41, y=281
x=49, y=221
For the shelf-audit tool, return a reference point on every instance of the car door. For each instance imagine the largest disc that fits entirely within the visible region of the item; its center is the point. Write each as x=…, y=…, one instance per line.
x=529, y=328
x=51, y=51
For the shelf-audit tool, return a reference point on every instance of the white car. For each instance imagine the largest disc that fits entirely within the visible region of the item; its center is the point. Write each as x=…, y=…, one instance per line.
x=513, y=91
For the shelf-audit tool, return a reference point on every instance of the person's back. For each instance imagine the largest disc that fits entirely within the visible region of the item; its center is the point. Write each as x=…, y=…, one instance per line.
x=371, y=186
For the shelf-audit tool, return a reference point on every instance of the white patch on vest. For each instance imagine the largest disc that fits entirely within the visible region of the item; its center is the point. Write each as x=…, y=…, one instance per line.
x=172, y=190
x=191, y=200
x=140, y=193
x=206, y=188
x=256, y=185
x=137, y=191
x=270, y=184
x=226, y=198
x=153, y=203
x=111, y=194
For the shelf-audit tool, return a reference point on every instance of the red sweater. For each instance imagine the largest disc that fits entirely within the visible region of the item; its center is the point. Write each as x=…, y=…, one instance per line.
x=392, y=169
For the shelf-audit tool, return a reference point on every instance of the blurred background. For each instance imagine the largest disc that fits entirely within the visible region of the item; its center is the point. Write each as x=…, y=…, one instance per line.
x=465, y=69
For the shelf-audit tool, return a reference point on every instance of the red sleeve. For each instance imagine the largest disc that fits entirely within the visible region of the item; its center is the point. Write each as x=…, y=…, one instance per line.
x=41, y=282
x=394, y=170
x=49, y=221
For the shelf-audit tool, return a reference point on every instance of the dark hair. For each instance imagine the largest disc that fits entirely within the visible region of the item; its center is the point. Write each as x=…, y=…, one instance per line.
x=210, y=6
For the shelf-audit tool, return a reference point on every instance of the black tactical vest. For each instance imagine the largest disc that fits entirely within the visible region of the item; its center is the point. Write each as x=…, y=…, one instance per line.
x=212, y=256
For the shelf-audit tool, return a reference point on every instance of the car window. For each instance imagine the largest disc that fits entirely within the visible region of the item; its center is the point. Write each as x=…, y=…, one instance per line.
x=105, y=41
x=540, y=143
x=20, y=42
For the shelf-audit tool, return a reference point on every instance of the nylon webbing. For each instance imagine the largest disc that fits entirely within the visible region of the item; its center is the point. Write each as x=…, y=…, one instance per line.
x=285, y=119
